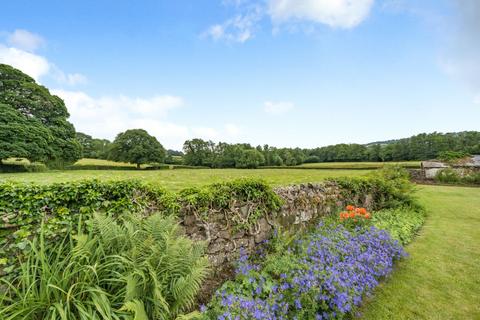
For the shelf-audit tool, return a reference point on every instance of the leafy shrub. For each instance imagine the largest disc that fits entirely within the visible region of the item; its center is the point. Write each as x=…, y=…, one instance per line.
x=473, y=178
x=321, y=276
x=27, y=206
x=451, y=176
x=22, y=167
x=452, y=156
x=222, y=196
x=402, y=223
x=389, y=188
x=312, y=159
x=131, y=268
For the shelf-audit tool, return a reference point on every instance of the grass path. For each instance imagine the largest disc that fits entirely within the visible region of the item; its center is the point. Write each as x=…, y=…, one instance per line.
x=441, y=278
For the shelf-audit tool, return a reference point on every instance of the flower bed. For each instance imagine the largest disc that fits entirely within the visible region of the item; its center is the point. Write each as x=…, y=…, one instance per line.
x=323, y=275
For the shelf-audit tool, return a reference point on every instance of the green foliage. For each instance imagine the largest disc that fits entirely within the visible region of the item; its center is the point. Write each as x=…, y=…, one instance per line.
x=23, y=137
x=451, y=156
x=129, y=268
x=138, y=147
x=250, y=159
x=401, y=223
x=389, y=187
x=10, y=167
x=222, y=196
x=26, y=206
x=419, y=147
x=40, y=127
x=93, y=148
x=452, y=176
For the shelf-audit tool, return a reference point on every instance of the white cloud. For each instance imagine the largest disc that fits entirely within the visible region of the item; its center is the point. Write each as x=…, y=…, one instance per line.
x=32, y=64
x=334, y=13
x=277, y=108
x=25, y=40
x=19, y=53
x=106, y=116
x=238, y=29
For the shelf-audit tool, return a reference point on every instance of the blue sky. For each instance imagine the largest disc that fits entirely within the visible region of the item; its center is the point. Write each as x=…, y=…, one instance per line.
x=290, y=73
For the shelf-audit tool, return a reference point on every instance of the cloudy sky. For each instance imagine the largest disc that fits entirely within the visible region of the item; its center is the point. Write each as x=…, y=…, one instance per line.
x=280, y=72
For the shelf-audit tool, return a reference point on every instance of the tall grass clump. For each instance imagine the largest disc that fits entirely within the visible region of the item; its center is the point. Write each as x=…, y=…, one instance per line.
x=129, y=268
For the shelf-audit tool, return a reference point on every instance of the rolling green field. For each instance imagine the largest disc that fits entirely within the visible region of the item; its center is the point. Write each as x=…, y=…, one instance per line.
x=182, y=178
x=441, y=278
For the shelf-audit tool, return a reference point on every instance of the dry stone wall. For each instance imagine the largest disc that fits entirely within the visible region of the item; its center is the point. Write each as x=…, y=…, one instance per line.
x=303, y=205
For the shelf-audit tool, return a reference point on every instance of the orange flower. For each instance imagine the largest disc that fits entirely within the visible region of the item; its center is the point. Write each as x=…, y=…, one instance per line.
x=352, y=214
x=367, y=216
x=362, y=210
x=350, y=208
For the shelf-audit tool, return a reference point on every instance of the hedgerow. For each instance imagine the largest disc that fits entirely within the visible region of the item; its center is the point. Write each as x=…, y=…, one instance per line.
x=24, y=207
x=223, y=197
x=388, y=188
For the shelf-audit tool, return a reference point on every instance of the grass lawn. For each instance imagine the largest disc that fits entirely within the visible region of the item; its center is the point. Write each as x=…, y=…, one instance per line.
x=182, y=178
x=441, y=278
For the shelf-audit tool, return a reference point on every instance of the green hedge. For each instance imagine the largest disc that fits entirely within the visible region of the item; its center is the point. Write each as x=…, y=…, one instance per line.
x=23, y=167
x=23, y=207
x=389, y=188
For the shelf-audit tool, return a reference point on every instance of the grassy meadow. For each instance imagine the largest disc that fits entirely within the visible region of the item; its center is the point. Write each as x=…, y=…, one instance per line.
x=440, y=279
x=181, y=178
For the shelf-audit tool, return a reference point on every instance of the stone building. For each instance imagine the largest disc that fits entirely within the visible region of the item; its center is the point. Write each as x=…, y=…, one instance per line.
x=431, y=168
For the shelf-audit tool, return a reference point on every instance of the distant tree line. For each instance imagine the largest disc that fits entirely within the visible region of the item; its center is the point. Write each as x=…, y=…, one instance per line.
x=420, y=147
x=34, y=125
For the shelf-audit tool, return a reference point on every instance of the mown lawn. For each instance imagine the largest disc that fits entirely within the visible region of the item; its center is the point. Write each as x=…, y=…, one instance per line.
x=181, y=178
x=441, y=278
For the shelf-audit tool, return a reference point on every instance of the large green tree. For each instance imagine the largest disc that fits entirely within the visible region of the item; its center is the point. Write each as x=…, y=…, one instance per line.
x=138, y=147
x=22, y=137
x=33, y=101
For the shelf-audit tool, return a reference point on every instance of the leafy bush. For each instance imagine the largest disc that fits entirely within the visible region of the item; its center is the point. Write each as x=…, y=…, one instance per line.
x=389, y=188
x=451, y=176
x=131, y=268
x=321, y=276
x=26, y=206
x=402, y=223
x=222, y=196
x=452, y=156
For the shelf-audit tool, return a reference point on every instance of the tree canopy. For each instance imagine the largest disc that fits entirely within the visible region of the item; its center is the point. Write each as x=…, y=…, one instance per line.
x=22, y=137
x=34, y=102
x=138, y=147
x=93, y=148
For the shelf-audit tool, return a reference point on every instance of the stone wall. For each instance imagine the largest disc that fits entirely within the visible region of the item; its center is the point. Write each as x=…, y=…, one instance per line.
x=303, y=206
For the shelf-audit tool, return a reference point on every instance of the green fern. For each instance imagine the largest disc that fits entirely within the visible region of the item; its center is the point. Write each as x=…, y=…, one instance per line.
x=129, y=268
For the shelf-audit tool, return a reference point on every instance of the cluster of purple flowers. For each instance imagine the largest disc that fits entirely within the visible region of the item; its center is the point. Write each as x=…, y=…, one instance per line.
x=321, y=276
